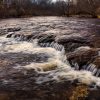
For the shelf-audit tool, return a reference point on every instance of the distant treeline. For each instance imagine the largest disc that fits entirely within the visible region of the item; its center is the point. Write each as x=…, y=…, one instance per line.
x=20, y=8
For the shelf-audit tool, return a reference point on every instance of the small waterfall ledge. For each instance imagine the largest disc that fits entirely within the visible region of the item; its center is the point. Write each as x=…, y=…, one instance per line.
x=56, y=65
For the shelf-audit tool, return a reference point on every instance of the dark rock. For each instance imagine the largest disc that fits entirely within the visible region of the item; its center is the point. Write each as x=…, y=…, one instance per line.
x=72, y=38
x=83, y=55
x=9, y=35
x=46, y=38
x=73, y=41
x=95, y=41
x=94, y=95
x=97, y=62
x=3, y=32
x=29, y=37
x=13, y=29
x=8, y=30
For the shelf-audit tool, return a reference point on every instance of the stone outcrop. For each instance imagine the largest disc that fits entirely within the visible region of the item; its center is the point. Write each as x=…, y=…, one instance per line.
x=83, y=55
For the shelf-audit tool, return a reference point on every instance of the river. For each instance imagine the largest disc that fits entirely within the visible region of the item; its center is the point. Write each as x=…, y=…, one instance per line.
x=40, y=50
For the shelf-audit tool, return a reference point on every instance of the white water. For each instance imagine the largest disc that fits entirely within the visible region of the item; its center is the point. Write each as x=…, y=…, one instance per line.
x=57, y=66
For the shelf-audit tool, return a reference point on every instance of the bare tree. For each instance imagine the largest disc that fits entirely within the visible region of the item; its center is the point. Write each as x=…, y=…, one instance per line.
x=93, y=4
x=87, y=7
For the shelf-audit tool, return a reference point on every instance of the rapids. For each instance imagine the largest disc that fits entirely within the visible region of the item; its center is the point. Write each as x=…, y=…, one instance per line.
x=54, y=63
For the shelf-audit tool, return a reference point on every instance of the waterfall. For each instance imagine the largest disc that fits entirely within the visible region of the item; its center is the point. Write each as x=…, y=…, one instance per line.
x=92, y=68
x=53, y=45
x=98, y=73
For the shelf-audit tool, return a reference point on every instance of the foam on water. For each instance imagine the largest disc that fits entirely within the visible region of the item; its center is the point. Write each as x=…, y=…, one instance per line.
x=57, y=67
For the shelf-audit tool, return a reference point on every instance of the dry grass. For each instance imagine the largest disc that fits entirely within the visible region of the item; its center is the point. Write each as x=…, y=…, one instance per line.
x=98, y=16
x=80, y=92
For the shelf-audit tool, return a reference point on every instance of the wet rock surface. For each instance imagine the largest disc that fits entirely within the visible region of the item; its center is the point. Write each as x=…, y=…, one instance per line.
x=81, y=39
x=83, y=55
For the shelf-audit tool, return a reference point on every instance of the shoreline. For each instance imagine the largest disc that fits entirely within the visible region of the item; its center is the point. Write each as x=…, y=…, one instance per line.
x=72, y=16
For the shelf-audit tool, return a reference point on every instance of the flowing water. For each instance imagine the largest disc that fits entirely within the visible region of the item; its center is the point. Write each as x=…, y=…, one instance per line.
x=47, y=58
x=56, y=58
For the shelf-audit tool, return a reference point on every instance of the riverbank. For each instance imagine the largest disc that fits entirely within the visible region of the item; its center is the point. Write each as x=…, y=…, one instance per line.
x=70, y=16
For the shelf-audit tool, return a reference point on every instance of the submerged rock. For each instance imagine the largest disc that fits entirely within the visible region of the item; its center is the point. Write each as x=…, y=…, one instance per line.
x=3, y=32
x=97, y=62
x=13, y=29
x=44, y=38
x=8, y=30
x=74, y=38
x=73, y=41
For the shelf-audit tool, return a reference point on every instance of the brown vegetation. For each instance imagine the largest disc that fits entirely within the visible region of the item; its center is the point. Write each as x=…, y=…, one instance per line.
x=88, y=7
x=19, y=8
x=79, y=93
